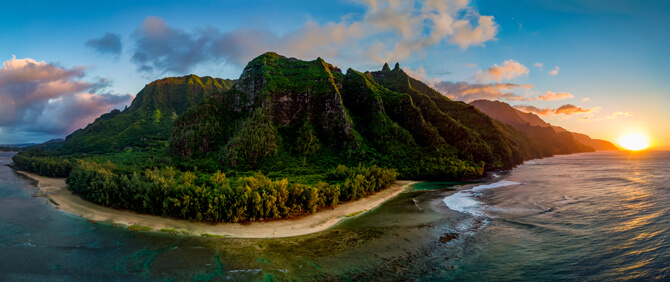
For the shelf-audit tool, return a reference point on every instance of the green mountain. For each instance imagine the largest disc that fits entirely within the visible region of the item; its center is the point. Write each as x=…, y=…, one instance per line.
x=287, y=138
x=555, y=139
x=149, y=119
x=472, y=132
x=285, y=113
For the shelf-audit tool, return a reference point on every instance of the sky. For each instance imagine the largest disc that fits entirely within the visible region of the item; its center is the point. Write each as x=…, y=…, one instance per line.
x=594, y=67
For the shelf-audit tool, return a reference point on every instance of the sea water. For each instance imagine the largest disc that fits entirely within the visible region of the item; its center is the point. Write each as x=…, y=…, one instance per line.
x=595, y=216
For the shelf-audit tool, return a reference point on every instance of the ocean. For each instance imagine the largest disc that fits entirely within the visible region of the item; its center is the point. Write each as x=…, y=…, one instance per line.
x=592, y=216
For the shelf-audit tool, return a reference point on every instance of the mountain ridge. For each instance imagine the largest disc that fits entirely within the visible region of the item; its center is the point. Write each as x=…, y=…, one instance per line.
x=311, y=111
x=541, y=131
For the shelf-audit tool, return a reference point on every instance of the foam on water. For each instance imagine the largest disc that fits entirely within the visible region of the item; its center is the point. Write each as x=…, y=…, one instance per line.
x=465, y=202
x=530, y=162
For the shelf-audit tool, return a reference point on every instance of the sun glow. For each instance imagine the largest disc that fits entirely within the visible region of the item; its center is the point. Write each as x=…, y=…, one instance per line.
x=634, y=142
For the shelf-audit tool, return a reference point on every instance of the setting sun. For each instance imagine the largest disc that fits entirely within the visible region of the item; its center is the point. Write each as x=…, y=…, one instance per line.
x=634, y=142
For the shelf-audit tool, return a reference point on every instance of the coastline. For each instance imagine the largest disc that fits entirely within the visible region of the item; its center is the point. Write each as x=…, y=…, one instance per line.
x=55, y=190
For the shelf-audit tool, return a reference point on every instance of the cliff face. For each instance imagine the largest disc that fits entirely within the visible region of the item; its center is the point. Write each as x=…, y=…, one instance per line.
x=149, y=119
x=553, y=139
x=283, y=109
x=276, y=93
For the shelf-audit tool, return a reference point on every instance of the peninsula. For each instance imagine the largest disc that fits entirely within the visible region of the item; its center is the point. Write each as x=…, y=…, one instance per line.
x=284, y=140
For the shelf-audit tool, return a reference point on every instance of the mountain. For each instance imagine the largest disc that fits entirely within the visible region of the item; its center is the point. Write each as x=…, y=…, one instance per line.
x=505, y=113
x=553, y=138
x=462, y=125
x=286, y=111
x=56, y=140
x=149, y=119
x=599, y=145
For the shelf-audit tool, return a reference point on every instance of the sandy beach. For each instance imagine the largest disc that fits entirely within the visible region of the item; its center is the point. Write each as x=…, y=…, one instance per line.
x=55, y=189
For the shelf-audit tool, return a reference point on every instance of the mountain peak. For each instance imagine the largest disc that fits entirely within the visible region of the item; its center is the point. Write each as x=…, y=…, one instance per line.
x=397, y=67
x=386, y=67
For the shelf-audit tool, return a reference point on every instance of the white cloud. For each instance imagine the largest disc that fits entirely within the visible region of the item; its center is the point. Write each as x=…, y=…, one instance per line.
x=510, y=69
x=387, y=31
x=554, y=71
x=551, y=96
x=420, y=74
x=466, y=36
x=617, y=115
x=538, y=65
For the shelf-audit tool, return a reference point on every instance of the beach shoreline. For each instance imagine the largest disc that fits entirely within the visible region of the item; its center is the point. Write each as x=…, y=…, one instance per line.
x=55, y=190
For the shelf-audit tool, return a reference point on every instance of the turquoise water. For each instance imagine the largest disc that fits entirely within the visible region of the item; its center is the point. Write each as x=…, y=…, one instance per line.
x=598, y=216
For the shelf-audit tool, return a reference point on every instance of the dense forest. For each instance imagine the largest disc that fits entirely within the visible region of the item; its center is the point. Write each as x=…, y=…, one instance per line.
x=287, y=137
x=209, y=197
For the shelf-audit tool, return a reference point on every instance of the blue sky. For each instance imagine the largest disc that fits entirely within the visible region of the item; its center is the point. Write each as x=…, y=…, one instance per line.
x=608, y=57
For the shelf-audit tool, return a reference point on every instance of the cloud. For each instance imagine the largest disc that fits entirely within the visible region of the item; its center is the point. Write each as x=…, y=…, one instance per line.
x=551, y=96
x=567, y=110
x=43, y=97
x=420, y=74
x=110, y=44
x=510, y=69
x=588, y=118
x=470, y=65
x=158, y=46
x=570, y=109
x=386, y=31
x=538, y=65
x=617, y=115
x=554, y=71
x=67, y=114
x=467, y=92
x=533, y=109
x=586, y=99
x=466, y=36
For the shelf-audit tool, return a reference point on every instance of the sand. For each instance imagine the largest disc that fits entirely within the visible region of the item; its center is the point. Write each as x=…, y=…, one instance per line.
x=55, y=189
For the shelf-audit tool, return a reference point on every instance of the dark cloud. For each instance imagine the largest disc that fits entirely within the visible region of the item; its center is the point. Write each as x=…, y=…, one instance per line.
x=109, y=44
x=40, y=97
x=164, y=49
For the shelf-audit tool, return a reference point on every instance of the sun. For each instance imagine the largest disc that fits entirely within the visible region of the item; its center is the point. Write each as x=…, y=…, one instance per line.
x=634, y=142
